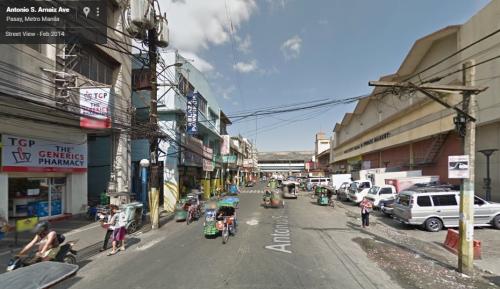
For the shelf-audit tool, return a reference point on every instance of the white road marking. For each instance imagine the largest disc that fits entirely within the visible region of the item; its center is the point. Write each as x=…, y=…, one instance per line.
x=281, y=235
x=149, y=245
x=252, y=222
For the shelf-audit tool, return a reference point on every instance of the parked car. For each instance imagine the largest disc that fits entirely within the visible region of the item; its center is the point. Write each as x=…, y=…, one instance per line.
x=358, y=190
x=435, y=208
x=318, y=181
x=342, y=191
x=381, y=193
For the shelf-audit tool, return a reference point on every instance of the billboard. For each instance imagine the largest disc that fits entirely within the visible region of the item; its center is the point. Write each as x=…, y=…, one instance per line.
x=94, y=105
x=192, y=113
x=208, y=163
x=22, y=154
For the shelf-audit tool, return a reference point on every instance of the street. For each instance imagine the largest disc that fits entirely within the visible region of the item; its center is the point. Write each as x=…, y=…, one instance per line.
x=322, y=253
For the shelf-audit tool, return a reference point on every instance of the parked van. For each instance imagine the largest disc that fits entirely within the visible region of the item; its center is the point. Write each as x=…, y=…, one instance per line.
x=358, y=190
x=381, y=193
x=435, y=208
x=318, y=181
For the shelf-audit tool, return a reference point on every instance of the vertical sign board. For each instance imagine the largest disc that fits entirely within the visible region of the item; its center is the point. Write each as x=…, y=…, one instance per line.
x=94, y=105
x=225, y=149
x=192, y=113
x=458, y=167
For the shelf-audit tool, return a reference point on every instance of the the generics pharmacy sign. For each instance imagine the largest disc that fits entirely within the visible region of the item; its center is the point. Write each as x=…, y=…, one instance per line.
x=22, y=154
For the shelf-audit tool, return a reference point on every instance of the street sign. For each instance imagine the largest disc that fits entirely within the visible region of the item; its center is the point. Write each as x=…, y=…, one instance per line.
x=192, y=113
x=458, y=167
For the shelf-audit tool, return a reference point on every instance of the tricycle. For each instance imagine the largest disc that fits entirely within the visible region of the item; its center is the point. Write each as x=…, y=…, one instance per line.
x=272, y=199
x=133, y=213
x=226, y=221
x=180, y=213
x=322, y=196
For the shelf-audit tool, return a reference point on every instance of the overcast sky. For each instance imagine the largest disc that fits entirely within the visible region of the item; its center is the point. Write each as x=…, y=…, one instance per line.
x=275, y=52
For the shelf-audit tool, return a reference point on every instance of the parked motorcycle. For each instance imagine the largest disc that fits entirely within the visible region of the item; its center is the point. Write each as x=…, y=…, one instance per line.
x=66, y=254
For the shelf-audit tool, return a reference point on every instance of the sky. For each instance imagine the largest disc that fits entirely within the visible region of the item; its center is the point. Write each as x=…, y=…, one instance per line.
x=264, y=53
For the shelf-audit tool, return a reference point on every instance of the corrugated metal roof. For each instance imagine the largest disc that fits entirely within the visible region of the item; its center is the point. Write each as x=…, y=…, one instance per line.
x=285, y=156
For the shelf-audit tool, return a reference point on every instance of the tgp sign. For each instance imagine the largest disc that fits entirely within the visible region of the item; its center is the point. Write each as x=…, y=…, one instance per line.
x=94, y=103
x=21, y=154
x=192, y=113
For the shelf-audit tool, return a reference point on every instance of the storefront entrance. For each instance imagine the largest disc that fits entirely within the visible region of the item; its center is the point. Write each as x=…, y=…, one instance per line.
x=36, y=196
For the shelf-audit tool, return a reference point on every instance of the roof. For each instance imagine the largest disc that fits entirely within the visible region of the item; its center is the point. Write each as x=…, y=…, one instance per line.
x=224, y=118
x=324, y=153
x=285, y=156
x=410, y=63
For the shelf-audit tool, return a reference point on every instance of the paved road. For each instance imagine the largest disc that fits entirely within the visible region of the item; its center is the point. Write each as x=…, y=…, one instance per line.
x=312, y=247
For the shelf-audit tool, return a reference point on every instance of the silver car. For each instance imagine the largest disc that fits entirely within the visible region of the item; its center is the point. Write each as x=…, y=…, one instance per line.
x=435, y=208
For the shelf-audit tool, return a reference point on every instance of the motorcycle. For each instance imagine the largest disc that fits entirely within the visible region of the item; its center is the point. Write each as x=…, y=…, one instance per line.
x=266, y=201
x=226, y=224
x=66, y=254
x=193, y=213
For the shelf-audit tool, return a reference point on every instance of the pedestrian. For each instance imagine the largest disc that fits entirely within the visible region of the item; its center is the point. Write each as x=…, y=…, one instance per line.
x=109, y=226
x=366, y=207
x=119, y=231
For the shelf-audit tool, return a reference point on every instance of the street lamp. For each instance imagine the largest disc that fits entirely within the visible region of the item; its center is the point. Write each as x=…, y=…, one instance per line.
x=144, y=163
x=177, y=64
x=487, y=181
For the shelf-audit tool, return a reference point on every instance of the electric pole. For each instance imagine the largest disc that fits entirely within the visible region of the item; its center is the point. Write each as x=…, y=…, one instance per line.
x=154, y=180
x=466, y=223
x=465, y=122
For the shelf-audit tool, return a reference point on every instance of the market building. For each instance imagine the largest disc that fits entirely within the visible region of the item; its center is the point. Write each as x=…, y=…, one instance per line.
x=283, y=162
x=401, y=130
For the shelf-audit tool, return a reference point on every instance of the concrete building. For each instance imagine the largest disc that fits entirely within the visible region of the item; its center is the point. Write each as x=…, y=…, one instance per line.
x=188, y=161
x=284, y=162
x=51, y=163
x=405, y=130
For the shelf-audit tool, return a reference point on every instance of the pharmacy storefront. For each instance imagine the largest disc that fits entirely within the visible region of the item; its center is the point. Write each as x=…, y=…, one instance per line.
x=41, y=177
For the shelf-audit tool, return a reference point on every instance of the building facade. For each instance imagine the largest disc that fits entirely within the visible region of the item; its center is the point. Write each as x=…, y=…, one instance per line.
x=401, y=130
x=52, y=163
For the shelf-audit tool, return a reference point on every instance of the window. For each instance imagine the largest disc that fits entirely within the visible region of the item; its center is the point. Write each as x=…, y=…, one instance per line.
x=95, y=66
x=373, y=191
x=478, y=201
x=386, y=191
x=424, y=201
x=444, y=200
x=202, y=105
x=404, y=200
x=364, y=185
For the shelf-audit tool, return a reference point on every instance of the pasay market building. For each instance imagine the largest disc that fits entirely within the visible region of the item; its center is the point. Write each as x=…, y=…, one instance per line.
x=403, y=130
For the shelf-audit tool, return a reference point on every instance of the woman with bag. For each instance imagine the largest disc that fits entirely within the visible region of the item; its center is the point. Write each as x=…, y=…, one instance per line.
x=366, y=207
x=119, y=231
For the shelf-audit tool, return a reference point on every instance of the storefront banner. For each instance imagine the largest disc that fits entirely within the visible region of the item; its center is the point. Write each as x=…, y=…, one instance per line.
x=192, y=113
x=208, y=163
x=231, y=159
x=94, y=103
x=20, y=154
x=226, y=142
x=247, y=163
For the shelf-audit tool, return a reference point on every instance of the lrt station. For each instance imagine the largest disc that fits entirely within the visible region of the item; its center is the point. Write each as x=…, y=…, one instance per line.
x=284, y=162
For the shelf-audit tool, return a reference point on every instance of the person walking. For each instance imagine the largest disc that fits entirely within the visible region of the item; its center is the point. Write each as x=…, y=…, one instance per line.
x=119, y=220
x=366, y=207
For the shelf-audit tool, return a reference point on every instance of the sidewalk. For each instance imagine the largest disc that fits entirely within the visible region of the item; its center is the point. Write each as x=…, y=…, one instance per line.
x=90, y=236
x=432, y=243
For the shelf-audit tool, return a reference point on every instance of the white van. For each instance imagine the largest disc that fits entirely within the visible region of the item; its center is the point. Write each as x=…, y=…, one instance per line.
x=318, y=181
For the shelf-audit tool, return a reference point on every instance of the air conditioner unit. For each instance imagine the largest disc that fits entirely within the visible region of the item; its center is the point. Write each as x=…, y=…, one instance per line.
x=142, y=13
x=163, y=34
x=132, y=29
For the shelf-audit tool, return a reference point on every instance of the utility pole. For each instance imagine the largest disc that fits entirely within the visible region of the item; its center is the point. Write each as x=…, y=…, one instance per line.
x=466, y=223
x=466, y=116
x=154, y=180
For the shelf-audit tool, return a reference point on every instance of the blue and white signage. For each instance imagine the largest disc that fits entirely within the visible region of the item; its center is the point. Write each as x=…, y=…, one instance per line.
x=192, y=113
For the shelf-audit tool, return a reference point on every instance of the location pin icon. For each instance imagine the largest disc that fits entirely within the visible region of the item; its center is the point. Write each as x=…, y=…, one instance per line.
x=86, y=11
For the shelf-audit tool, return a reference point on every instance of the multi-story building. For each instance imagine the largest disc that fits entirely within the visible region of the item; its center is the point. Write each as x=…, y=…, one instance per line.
x=189, y=161
x=402, y=130
x=54, y=156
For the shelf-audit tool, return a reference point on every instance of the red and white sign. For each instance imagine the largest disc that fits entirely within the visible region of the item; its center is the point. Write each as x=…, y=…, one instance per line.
x=94, y=103
x=21, y=154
